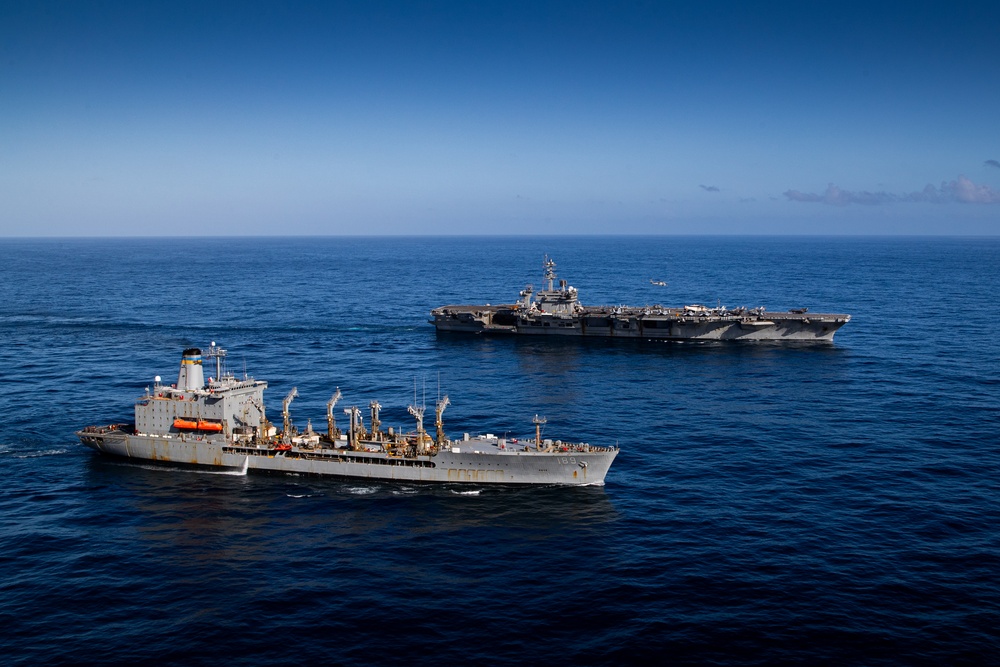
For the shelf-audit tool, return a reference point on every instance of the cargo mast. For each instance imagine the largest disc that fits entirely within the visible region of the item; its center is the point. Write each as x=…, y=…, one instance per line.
x=331, y=428
x=438, y=422
x=375, y=406
x=287, y=424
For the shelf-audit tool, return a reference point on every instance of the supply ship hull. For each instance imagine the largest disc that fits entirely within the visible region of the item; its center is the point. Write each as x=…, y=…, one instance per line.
x=558, y=312
x=222, y=424
x=482, y=462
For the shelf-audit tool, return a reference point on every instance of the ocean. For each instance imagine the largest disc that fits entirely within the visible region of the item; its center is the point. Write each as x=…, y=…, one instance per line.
x=772, y=504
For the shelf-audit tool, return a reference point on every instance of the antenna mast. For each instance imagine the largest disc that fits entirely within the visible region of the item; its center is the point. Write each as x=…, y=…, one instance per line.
x=538, y=421
x=218, y=354
x=550, y=271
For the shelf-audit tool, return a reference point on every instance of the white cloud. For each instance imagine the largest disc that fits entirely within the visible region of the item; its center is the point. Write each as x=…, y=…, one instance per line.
x=960, y=190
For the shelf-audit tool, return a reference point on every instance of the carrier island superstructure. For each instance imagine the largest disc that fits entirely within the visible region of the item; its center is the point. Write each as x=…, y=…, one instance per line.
x=557, y=311
x=223, y=423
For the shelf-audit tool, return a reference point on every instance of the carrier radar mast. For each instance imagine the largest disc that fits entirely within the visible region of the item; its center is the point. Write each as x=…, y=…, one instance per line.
x=550, y=271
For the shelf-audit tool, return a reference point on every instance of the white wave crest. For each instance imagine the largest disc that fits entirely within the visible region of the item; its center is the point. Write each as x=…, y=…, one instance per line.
x=182, y=469
x=43, y=452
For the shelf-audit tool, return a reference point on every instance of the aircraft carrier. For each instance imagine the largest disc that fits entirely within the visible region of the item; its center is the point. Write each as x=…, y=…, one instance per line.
x=222, y=423
x=557, y=311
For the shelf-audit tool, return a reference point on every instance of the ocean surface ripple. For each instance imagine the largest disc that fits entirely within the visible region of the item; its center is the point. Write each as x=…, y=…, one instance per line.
x=806, y=504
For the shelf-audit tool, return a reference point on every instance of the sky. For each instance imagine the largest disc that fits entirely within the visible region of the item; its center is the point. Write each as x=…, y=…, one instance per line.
x=431, y=117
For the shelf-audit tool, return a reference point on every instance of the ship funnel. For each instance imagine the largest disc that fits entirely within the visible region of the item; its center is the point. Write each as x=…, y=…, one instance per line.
x=191, y=376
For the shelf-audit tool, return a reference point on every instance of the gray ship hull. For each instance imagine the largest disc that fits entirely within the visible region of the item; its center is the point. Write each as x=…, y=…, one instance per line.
x=222, y=424
x=558, y=312
x=477, y=461
x=636, y=323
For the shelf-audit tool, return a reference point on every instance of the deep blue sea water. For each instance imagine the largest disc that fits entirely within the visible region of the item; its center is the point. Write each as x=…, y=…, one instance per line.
x=809, y=504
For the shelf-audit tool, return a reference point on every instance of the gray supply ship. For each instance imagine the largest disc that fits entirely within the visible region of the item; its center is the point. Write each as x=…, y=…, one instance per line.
x=558, y=312
x=222, y=423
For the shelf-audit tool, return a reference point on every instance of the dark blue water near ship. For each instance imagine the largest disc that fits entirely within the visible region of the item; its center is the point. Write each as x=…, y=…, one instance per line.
x=824, y=504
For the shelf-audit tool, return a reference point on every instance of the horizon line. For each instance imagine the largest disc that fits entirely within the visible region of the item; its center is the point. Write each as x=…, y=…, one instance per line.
x=485, y=235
